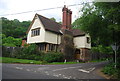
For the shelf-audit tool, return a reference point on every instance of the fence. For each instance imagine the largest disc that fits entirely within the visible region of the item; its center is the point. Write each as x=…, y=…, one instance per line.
x=97, y=56
x=10, y=51
x=13, y=52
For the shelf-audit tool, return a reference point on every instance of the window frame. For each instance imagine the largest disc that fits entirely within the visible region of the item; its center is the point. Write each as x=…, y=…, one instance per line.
x=88, y=39
x=35, y=32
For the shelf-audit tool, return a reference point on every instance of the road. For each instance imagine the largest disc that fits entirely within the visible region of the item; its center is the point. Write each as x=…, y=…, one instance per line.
x=66, y=71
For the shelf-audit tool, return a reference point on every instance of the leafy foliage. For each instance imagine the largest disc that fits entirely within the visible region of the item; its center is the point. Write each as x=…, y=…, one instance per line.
x=111, y=71
x=52, y=57
x=30, y=52
x=67, y=47
x=100, y=20
x=11, y=41
x=102, y=49
x=14, y=28
x=53, y=19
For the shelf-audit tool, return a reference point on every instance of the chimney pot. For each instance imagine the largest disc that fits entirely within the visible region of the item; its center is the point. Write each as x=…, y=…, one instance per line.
x=66, y=21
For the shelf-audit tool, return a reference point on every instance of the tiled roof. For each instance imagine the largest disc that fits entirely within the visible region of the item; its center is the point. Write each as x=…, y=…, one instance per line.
x=50, y=25
x=77, y=32
x=55, y=27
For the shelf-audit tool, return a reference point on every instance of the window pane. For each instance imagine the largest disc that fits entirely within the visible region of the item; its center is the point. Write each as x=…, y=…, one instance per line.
x=38, y=31
x=32, y=33
x=88, y=40
x=35, y=32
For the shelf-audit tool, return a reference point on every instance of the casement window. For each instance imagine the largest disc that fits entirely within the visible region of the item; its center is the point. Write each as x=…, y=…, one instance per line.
x=88, y=39
x=35, y=32
x=52, y=47
x=42, y=47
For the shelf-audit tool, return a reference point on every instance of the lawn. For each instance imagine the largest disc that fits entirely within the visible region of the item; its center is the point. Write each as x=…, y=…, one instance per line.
x=25, y=61
x=63, y=63
x=14, y=60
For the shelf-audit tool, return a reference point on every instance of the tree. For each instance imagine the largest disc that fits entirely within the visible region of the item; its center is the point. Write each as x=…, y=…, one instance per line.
x=99, y=20
x=53, y=19
x=14, y=28
x=12, y=42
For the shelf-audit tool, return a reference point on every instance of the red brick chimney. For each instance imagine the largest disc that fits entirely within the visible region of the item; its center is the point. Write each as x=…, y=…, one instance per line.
x=69, y=19
x=66, y=20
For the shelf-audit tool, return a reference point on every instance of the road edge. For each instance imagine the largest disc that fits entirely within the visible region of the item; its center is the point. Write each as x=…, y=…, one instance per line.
x=99, y=72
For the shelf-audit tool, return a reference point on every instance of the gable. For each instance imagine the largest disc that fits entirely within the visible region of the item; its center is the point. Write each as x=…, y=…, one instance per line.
x=50, y=25
x=35, y=25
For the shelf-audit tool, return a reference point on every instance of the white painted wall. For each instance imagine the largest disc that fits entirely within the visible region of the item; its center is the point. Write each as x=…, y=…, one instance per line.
x=88, y=45
x=49, y=37
x=36, y=39
x=52, y=38
x=81, y=42
x=45, y=36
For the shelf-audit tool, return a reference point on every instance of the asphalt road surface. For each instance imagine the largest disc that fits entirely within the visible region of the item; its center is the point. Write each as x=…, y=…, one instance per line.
x=66, y=71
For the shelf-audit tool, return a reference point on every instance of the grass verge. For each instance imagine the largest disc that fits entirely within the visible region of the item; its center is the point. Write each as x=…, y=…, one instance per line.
x=25, y=61
x=14, y=60
x=64, y=63
x=111, y=71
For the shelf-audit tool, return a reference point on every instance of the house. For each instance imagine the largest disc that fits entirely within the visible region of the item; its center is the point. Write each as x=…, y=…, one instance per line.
x=47, y=34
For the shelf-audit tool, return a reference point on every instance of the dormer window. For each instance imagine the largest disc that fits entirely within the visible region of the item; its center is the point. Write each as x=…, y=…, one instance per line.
x=35, y=32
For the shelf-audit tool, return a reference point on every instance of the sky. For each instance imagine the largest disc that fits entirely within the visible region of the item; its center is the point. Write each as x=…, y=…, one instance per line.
x=18, y=6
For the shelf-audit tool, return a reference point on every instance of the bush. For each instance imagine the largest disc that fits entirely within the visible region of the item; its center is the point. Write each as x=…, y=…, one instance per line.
x=11, y=41
x=31, y=49
x=52, y=57
x=5, y=52
x=110, y=70
x=102, y=49
x=31, y=52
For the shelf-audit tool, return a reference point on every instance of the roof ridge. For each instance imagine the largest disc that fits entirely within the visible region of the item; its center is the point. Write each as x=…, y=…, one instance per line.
x=47, y=18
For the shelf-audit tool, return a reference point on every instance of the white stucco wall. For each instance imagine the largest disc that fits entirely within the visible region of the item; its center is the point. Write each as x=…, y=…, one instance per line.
x=87, y=45
x=81, y=42
x=52, y=37
x=36, y=39
x=45, y=36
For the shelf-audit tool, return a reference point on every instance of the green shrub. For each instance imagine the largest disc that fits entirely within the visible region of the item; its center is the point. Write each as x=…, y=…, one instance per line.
x=102, y=49
x=52, y=57
x=44, y=62
x=11, y=41
x=30, y=52
x=8, y=44
x=33, y=57
x=31, y=49
x=5, y=52
x=110, y=70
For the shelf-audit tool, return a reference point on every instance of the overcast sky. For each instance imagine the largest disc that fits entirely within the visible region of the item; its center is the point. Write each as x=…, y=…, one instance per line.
x=18, y=6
